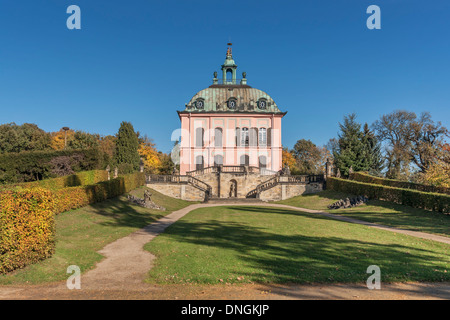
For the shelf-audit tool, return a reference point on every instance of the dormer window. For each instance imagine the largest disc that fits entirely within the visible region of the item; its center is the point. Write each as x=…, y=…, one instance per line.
x=200, y=104
x=232, y=103
x=262, y=104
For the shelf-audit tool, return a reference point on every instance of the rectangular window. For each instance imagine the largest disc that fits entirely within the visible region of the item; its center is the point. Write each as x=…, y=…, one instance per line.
x=253, y=137
x=244, y=137
x=263, y=137
x=218, y=137
x=199, y=136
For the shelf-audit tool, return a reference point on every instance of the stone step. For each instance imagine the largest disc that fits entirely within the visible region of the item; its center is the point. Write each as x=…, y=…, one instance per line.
x=233, y=200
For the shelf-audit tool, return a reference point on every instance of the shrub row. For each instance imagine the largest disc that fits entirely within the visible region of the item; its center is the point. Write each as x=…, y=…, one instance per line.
x=26, y=227
x=364, y=177
x=36, y=165
x=76, y=197
x=27, y=216
x=79, y=179
x=417, y=199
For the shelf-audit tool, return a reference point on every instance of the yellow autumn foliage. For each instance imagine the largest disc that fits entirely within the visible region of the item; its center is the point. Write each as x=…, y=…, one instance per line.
x=149, y=155
x=58, y=139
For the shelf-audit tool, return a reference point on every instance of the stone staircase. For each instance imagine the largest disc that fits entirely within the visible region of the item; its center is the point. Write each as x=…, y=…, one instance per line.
x=266, y=185
x=226, y=184
x=288, y=179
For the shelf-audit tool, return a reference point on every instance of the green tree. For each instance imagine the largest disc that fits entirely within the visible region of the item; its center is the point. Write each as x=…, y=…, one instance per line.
x=375, y=157
x=26, y=137
x=350, y=150
x=83, y=140
x=308, y=157
x=127, y=144
x=167, y=165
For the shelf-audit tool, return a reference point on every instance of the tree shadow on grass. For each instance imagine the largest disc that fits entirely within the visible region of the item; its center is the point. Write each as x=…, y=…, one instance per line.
x=262, y=255
x=317, y=201
x=125, y=214
x=379, y=211
x=401, y=216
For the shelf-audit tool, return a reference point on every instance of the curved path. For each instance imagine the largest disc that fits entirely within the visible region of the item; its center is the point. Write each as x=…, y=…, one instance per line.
x=126, y=265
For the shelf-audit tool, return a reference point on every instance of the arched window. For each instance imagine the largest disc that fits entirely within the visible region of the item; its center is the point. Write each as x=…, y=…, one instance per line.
x=244, y=137
x=262, y=137
x=218, y=160
x=262, y=162
x=244, y=160
x=199, y=137
x=218, y=137
x=198, y=162
x=229, y=76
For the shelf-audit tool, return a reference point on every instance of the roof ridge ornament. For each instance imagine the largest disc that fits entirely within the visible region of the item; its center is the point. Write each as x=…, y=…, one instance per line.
x=229, y=50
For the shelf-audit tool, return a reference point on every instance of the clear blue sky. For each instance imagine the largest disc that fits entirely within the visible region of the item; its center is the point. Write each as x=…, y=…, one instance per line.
x=142, y=60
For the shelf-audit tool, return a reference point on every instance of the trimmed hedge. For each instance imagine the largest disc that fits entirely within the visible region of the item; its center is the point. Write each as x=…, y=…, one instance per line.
x=77, y=197
x=35, y=165
x=79, y=179
x=27, y=216
x=417, y=199
x=26, y=227
x=364, y=177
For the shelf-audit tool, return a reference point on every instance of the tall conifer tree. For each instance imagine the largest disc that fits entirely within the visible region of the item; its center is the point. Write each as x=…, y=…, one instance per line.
x=127, y=145
x=351, y=151
x=375, y=156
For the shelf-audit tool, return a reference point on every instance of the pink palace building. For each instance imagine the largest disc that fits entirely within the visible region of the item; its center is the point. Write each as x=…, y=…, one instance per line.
x=230, y=124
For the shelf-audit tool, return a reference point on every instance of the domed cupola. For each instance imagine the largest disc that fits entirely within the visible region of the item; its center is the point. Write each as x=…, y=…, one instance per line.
x=231, y=95
x=229, y=68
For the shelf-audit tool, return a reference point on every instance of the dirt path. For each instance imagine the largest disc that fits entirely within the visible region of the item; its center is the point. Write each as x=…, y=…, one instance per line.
x=120, y=275
x=393, y=291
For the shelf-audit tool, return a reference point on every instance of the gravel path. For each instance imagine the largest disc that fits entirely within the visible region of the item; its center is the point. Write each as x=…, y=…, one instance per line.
x=120, y=274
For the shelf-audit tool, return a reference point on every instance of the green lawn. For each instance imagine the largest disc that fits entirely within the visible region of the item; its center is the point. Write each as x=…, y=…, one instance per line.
x=242, y=244
x=81, y=233
x=377, y=211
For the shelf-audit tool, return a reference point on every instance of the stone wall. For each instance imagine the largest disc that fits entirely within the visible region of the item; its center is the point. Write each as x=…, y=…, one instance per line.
x=286, y=191
x=271, y=194
x=221, y=183
x=314, y=187
x=210, y=179
x=244, y=184
x=178, y=191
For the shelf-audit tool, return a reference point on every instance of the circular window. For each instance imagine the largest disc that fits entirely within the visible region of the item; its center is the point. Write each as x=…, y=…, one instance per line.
x=232, y=104
x=262, y=104
x=199, y=104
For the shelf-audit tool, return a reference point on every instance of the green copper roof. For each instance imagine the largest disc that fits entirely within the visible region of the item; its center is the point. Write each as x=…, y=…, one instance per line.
x=247, y=99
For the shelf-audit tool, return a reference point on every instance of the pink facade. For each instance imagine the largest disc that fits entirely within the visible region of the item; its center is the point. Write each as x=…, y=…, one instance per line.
x=257, y=136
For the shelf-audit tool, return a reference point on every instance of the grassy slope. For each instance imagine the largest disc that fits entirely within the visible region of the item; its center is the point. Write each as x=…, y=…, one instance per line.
x=81, y=233
x=260, y=244
x=377, y=211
